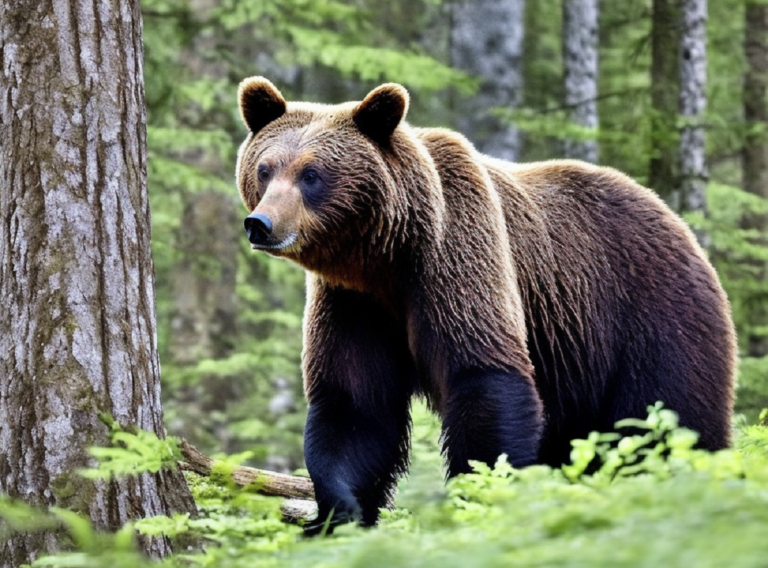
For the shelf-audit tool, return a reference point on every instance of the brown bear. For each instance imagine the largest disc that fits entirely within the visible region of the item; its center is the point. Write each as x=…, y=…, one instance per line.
x=529, y=304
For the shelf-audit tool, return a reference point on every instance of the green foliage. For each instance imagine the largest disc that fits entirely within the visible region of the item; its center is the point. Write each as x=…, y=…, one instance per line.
x=232, y=521
x=739, y=259
x=624, y=87
x=95, y=550
x=17, y=516
x=92, y=549
x=659, y=448
x=342, y=36
x=753, y=386
x=644, y=499
x=132, y=453
x=551, y=123
x=682, y=506
x=379, y=65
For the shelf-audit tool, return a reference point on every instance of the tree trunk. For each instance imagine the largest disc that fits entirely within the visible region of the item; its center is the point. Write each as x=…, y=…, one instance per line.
x=756, y=99
x=664, y=98
x=580, y=63
x=203, y=320
x=77, y=320
x=487, y=42
x=204, y=280
x=693, y=101
x=755, y=152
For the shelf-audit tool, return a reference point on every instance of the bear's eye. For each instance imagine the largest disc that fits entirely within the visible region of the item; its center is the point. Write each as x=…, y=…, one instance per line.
x=313, y=186
x=263, y=173
x=310, y=177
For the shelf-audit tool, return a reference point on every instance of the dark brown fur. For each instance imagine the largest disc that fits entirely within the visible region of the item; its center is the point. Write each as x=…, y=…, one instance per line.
x=530, y=303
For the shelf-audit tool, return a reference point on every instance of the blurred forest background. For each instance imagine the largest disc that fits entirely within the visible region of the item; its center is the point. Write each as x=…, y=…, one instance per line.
x=672, y=92
x=524, y=80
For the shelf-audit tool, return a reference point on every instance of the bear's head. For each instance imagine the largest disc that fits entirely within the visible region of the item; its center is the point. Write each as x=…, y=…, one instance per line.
x=330, y=187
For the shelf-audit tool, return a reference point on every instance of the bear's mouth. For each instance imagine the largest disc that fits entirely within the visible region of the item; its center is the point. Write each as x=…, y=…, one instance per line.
x=283, y=245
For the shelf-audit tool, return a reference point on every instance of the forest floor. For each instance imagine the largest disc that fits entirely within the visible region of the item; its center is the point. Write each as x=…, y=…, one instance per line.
x=653, y=502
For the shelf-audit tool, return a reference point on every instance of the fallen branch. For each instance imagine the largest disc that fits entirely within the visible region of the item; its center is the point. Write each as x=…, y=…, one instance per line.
x=298, y=490
x=296, y=511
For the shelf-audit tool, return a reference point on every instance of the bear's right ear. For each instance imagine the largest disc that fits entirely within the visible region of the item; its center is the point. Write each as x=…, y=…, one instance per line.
x=381, y=111
x=260, y=103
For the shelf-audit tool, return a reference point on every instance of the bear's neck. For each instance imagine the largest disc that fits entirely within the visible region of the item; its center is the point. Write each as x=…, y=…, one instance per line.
x=386, y=259
x=387, y=269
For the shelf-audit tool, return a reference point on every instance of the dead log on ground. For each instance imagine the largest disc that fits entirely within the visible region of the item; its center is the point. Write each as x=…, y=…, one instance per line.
x=298, y=491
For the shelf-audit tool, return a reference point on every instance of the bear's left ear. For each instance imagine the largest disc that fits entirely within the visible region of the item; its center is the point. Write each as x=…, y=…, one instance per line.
x=381, y=111
x=260, y=103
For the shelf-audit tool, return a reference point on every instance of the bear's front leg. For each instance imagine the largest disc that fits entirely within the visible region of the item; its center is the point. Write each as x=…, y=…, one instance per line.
x=490, y=412
x=354, y=452
x=359, y=381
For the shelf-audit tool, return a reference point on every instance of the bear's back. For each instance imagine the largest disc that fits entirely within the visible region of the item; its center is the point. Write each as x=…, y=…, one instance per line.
x=609, y=277
x=625, y=279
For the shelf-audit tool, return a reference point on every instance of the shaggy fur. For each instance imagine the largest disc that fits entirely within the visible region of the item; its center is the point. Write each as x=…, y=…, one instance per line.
x=530, y=304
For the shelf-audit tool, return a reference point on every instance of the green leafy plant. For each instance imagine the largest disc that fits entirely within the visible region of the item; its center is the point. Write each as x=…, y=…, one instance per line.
x=131, y=453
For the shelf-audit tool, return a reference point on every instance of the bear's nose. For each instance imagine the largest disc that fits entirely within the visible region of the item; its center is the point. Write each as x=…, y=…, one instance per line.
x=258, y=227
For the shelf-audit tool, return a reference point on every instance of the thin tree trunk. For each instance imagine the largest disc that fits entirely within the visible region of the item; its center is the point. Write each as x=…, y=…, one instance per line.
x=755, y=152
x=756, y=99
x=204, y=279
x=204, y=314
x=665, y=81
x=693, y=102
x=203, y=320
x=77, y=317
x=580, y=62
x=487, y=42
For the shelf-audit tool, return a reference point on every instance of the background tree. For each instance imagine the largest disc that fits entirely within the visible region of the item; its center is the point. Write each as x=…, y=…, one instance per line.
x=580, y=66
x=693, y=102
x=77, y=320
x=755, y=159
x=235, y=385
x=196, y=55
x=487, y=42
x=664, y=136
x=247, y=394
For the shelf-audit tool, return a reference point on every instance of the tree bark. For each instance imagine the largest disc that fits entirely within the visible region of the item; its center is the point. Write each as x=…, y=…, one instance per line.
x=487, y=42
x=665, y=89
x=755, y=151
x=77, y=320
x=693, y=102
x=580, y=64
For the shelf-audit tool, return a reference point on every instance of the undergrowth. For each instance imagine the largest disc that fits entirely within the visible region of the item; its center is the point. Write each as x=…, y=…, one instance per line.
x=649, y=499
